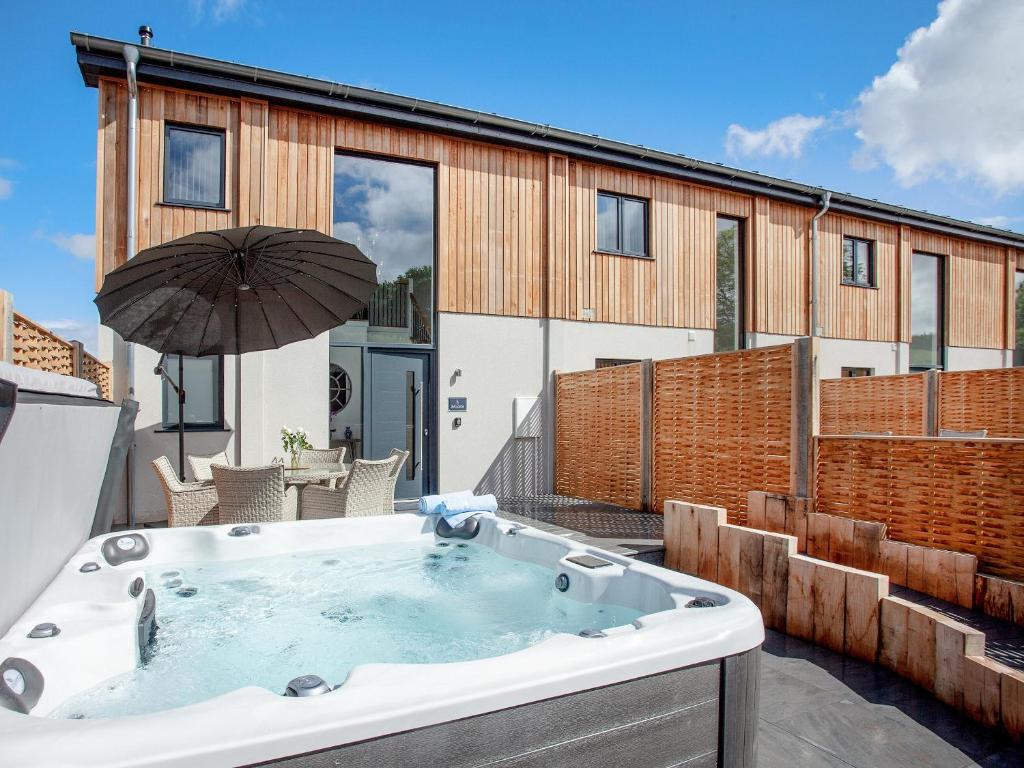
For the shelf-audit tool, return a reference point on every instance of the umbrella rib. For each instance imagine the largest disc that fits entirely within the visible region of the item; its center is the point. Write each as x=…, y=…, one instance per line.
x=137, y=263
x=327, y=309
x=206, y=325
x=177, y=323
x=178, y=271
x=132, y=302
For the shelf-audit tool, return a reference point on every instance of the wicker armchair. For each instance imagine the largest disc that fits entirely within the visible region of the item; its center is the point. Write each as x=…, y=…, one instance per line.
x=398, y=457
x=360, y=493
x=250, y=494
x=187, y=503
x=309, y=456
x=201, y=465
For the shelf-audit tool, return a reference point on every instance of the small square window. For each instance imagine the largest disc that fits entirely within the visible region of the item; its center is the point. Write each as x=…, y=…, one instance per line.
x=193, y=166
x=611, y=362
x=204, y=393
x=621, y=224
x=850, y=372
x=858, y=262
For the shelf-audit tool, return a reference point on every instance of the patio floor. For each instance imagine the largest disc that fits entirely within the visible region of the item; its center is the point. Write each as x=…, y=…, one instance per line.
x=819, y=708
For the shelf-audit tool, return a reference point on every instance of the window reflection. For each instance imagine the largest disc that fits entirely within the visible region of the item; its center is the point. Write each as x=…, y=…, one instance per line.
x=386, y=209
x=926, y=340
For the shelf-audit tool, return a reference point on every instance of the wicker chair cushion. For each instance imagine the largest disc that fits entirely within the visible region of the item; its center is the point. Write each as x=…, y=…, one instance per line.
x=201, y=465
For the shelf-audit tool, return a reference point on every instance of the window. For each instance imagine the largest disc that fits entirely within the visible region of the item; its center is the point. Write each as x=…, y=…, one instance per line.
x=386, y=209
x=850, y=372
x=728, y=284
x=927, y=293
x=340, y=388
x=204, y=393
x=611, y=362
x=858, y=262
x=1018, y=347
x=193, y=166
x=621, y=224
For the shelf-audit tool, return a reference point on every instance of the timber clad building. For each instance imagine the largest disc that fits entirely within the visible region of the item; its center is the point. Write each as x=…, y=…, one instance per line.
x=507, y=250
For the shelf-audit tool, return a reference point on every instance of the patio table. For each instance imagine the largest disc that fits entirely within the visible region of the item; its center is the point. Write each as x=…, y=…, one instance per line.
x=311, y=474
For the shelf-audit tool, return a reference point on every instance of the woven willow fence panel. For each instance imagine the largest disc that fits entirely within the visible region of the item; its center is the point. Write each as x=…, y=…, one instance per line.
x=991, y=399
x=721, y=427
x=98, y=373
x=40, y=348
x=963, y=495
x=873, y=404
x=597, y=436
x=36, y=347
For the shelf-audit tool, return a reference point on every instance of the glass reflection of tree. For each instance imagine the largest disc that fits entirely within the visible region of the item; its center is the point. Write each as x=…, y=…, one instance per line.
x=725, y=299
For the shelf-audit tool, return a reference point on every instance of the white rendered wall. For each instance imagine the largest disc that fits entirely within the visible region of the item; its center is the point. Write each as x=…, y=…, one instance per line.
x=883, y=357
x=504, y=358
x=973, y=359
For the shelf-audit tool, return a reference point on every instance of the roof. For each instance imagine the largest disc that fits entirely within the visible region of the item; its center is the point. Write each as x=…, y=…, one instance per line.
x=103, y=57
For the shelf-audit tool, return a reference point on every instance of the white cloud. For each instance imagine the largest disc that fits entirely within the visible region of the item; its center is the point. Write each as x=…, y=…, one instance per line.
x=75, y=330
x=784, y=137
x=6, y=188
x=216, y=10
x=80, y=246
x=951, y=106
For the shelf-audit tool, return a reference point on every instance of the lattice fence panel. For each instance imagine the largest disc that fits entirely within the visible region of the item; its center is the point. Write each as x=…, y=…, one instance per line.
x=36, y=347
x=98, y=373
x=874, y=404
x=598, y=433
x=722, y=427
x=963, y=495
x=992, y=399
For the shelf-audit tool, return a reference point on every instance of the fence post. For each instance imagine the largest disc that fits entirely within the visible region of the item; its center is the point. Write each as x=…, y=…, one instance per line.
x=77, y=359
x=805, y=416
x=931, y=402
x=646, y=401
x=6, y=327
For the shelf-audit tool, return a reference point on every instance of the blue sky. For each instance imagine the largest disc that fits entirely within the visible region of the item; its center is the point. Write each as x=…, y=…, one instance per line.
x=788, y=78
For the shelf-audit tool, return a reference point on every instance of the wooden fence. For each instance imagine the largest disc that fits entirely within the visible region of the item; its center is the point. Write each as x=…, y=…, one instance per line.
x=722, y=425
x=924, y=403
x=991, y=399
x=29, y=344
x=962, y=495
x=895, y=404
x=599, y=434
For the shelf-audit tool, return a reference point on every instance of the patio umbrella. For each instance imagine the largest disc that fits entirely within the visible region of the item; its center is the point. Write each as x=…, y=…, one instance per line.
x=233, y=291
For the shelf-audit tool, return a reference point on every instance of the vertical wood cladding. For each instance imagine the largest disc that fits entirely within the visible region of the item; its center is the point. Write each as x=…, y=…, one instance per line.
x=516, y=230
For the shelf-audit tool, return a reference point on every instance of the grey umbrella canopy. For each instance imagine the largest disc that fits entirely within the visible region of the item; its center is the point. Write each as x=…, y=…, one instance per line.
x=236, y=290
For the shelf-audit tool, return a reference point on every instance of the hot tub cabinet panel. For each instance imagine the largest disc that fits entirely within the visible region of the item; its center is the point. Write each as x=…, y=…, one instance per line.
x=671, y=719
x=676, y=687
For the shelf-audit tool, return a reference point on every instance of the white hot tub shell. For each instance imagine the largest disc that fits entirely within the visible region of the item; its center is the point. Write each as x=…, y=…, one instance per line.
x=678, y=684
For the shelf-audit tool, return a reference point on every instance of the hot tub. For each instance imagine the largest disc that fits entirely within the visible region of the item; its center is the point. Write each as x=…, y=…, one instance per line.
x=374, y=642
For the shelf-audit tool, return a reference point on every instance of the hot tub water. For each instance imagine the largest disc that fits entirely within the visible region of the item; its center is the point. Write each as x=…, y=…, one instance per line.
x=264, y=621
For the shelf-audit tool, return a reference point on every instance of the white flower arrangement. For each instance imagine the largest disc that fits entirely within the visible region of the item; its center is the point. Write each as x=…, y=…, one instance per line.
x=294, y=441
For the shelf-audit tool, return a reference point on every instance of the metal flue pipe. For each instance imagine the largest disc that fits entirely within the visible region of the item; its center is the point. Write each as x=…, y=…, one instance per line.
x=826, y=197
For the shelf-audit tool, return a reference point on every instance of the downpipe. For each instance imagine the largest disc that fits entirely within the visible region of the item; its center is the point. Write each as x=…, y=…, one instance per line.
x=131, y=60
x=815, y=329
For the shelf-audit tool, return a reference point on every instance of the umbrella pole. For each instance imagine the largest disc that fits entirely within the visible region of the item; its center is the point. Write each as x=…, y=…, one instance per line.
x=181, y=416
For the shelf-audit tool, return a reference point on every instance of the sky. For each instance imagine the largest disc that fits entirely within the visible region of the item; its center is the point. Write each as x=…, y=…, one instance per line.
x=909, y=102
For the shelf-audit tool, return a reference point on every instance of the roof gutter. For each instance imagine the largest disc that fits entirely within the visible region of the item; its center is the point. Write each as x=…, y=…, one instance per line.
x=96, y=59
x=826, y=198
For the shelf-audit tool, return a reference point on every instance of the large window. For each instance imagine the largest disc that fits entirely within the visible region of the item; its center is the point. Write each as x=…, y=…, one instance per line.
x=926, y=308
x=1018, y=347
x=193, y=166
x=386, y=209
x=858, y=262
x=728, y=285
x=204, y=387
x=621, y=224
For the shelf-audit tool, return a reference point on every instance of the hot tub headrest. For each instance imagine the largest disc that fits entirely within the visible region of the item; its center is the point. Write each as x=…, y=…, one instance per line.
x=467, y=529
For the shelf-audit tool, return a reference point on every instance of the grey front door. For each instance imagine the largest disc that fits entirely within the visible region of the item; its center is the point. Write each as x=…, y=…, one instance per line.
x=398, y=415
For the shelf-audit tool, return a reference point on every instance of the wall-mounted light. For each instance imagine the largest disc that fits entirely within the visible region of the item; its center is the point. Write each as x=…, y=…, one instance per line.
x=457, y=373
